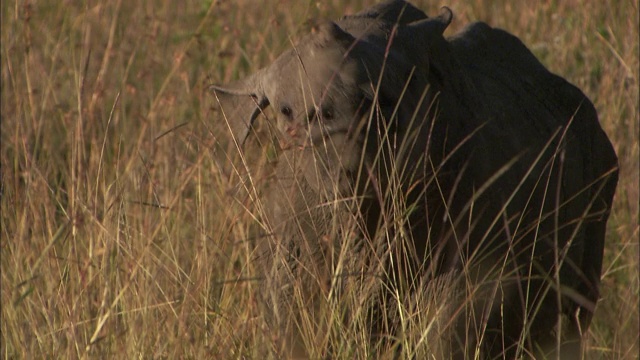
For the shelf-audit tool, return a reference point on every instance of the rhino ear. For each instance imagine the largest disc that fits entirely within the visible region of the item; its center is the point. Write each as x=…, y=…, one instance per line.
x=330, y=34
x=433, y=26
x=241, y=102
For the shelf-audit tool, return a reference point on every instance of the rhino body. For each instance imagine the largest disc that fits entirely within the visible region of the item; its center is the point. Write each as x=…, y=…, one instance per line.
x=504, y=172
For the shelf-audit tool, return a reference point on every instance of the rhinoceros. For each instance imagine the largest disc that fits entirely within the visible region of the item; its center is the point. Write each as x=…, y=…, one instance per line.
x=460, y=155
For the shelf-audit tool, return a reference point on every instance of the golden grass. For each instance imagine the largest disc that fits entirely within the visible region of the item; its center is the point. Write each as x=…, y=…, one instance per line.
x=119, y=238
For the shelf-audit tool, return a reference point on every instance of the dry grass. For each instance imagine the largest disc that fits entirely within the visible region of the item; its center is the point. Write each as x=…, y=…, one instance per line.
x=119, y=238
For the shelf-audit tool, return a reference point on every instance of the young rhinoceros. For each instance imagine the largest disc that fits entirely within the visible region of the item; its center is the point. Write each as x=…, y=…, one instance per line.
x=412, y=156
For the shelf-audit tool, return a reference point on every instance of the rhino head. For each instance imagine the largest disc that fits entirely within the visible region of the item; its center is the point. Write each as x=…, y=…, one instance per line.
x=338, y=97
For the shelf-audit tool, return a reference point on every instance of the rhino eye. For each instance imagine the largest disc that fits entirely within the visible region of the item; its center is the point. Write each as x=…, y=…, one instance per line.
x=327, y=114
x=286, y=111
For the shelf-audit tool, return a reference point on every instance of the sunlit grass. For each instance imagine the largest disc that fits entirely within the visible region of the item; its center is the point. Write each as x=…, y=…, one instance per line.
x=119, y=234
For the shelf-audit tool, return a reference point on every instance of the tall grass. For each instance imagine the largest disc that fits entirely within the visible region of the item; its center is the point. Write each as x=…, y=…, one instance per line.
x=119, y=234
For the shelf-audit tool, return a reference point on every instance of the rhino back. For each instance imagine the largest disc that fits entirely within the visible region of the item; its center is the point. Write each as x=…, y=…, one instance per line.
x=566, y=163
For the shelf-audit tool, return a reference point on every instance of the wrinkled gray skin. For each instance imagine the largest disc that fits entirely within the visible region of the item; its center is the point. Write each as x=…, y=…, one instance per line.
x=512, y=166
